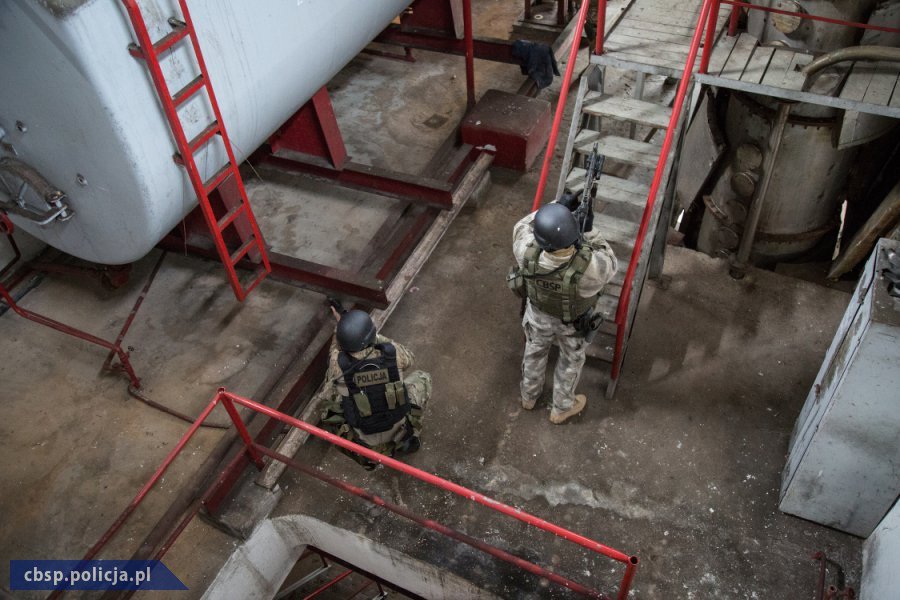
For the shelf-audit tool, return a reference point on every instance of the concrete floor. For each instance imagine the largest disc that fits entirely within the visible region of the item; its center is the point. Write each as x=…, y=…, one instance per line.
x=681, y=468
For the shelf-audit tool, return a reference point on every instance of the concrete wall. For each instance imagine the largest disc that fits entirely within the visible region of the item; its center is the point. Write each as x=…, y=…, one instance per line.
x=881, y=557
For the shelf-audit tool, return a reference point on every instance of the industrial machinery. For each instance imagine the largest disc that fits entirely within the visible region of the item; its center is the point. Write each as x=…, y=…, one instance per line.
x=776, y=192
x=86, y=154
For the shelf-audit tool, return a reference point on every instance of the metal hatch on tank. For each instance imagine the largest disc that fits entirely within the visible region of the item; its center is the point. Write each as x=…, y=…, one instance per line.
x=80, y=110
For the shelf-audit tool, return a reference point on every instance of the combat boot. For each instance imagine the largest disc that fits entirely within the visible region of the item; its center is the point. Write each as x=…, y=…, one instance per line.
x=560, y=417
x=528, y=404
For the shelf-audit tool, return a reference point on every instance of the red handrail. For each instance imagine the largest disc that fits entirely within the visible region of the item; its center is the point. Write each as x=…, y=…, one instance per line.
x=833, y=21
x=708, y=19
x=628, y=284
x=560, y=105
x=255, y=452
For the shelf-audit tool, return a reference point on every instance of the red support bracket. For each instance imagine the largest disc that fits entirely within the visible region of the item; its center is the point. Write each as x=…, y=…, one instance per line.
x=313, y=130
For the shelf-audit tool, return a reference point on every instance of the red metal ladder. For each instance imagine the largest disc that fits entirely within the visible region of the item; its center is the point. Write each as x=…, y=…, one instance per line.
x=237, y=211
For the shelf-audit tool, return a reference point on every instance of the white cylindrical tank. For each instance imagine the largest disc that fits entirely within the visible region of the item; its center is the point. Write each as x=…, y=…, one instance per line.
x=78, y=108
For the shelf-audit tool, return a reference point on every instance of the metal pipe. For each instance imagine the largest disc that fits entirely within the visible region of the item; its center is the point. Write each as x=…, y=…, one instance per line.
x=242, y=431
x=601, y=27
x=470, y=54
x=681, y=93
x=874, y=53
x=739, y=266
x=778, y=11
x=628, y=577
x=820, y=586
x=134, y=309
x=711, y=22
x=560, y=106
x=430, y=524
x=63, y=328
x=331, y=583
x=7, y=228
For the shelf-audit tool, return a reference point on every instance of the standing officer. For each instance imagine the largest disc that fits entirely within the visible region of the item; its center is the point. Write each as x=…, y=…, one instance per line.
x=368, y=399
x=561, y=273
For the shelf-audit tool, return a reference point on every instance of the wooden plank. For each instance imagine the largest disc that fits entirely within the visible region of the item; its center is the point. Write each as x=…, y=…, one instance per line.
x=631, y=110
x=793, y=77
x=895, y=97
x=779, y=64
x=656, y=36
x=614, y=229
x=611, y=189
x=758, y=64
x=621, y=149
x=639, y=25
x=800, y=96
x=646, y=64
x=628, y=43
x=883, y=81
x=858, y=81
x=740, y=56
x=648, y=54
x=720, y=53
x=665, y=15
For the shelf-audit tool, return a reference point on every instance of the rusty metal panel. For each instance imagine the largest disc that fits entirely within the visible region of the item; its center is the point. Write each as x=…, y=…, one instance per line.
x=704, y=146
x=841, y=468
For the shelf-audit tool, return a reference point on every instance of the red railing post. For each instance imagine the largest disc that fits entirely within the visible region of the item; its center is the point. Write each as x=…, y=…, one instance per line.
x=711, y=22
x=733, y=20
x=601, y=27
x=249, y=444
x=628, y=283
x=560, y=105
x=470, y=54
x=627, y=578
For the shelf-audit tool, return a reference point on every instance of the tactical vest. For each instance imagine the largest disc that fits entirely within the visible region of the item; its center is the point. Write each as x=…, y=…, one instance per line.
x=556, y=292
x=377, y=396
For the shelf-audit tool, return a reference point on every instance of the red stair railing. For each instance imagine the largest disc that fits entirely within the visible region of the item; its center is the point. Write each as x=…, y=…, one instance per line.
x=254, y=453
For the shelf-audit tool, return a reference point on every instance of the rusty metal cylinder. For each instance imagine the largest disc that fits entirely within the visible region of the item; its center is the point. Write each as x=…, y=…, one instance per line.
x=803, y=200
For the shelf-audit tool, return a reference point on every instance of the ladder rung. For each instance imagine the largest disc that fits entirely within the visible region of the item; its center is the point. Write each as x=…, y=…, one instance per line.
x=241, y=252
x=230, y=216
x=170, y=39
x=189, y=90
x=263, y=272
x=203, y=137
x=218, y=178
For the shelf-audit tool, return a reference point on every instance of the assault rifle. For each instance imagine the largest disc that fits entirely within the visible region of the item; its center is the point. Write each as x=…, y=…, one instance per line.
x=584, y=214
x=336, y=305
x=589, y=322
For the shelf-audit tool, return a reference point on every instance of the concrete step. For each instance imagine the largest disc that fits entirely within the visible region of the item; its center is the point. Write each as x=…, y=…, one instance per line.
x=622, y=149
x=627, y=109
x=610, y=189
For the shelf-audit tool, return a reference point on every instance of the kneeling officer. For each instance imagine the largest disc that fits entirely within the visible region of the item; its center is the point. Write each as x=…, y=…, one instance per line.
x=371, y=402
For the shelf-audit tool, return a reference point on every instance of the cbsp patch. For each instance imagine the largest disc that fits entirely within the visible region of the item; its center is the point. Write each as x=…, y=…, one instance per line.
x=367, y=378
x=553, y=286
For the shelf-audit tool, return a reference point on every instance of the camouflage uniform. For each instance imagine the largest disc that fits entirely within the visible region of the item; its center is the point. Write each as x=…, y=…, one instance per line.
x=418, y=391
x=542, y=329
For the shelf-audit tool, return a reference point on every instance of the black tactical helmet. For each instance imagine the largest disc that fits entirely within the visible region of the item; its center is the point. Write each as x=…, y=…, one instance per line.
x=555, y=227
x=355, y=331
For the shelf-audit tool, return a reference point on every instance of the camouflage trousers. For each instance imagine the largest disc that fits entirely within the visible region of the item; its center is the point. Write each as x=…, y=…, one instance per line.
x=418, y=392
x=541, y=330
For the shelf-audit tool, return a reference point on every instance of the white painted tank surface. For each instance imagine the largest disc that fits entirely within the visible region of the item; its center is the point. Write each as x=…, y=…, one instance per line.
x=78, y=108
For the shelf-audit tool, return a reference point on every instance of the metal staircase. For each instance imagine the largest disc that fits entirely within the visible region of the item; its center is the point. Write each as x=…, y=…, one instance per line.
x=620, y=201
